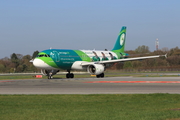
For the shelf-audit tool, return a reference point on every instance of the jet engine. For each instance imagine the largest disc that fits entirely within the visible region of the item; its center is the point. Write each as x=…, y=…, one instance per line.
x=49, y=73
x=95, y=69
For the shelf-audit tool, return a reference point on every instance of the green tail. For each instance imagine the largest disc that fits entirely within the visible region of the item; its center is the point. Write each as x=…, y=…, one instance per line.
x=120, y=42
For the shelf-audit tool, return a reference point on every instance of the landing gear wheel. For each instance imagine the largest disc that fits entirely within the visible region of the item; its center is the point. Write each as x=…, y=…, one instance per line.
x=50, y=77
x=100, y=75
x=69, y=75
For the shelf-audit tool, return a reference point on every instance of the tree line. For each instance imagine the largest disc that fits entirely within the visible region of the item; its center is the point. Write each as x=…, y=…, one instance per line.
x=21, y=63
x=171, y=63
x=18, y=63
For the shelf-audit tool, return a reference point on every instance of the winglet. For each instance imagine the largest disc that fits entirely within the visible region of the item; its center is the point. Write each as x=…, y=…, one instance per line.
x=164, y=55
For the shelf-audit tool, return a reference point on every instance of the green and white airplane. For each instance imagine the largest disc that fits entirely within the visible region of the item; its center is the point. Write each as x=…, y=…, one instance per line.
x=94, y=62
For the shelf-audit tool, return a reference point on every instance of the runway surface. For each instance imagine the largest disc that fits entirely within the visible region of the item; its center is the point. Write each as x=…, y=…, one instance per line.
x=109, y=85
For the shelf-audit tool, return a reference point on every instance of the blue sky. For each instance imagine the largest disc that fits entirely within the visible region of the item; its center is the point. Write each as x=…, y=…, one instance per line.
x=30, y=25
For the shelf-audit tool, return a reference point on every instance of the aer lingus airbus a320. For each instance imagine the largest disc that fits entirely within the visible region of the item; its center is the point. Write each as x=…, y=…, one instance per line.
x=93, y=61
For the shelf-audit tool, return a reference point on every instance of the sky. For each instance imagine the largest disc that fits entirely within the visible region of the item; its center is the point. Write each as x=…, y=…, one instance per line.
x=30, y=25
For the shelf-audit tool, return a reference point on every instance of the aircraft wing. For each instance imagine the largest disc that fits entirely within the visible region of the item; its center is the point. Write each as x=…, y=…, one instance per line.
x=121, y=60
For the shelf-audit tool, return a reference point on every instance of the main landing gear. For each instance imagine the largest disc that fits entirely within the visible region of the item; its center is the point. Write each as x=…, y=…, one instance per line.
x=69, y=75
x=100, y=75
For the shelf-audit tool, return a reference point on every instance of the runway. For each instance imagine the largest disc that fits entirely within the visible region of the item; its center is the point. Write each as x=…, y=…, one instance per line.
x=107, y=85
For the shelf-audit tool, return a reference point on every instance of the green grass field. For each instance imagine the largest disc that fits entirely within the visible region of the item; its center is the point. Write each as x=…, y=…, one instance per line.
x=90, y=107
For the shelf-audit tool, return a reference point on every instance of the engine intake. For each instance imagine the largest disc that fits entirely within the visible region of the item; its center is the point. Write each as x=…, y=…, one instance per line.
x=95, y=69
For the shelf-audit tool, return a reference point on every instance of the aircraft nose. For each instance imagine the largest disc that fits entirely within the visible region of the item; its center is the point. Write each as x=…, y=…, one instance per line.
x=38, y=63
x=41, y=64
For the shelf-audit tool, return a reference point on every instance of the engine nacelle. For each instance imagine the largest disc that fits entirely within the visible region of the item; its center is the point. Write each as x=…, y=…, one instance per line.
x=95, y=69
x=49, y=72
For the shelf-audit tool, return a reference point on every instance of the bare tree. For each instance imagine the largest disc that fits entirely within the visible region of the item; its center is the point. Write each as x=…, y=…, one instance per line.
x=142, y=49
x=165, y=49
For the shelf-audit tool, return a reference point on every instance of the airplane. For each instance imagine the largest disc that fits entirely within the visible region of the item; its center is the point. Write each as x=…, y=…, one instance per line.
x=95, y=62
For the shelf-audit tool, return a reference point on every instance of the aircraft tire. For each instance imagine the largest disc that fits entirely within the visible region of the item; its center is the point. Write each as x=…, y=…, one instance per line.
x=67, y=75
x=71, y=75
x=102, y=75
x=98, y=76
x=50, y=77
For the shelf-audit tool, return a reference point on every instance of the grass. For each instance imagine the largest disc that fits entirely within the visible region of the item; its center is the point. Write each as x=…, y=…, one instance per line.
x=90, y=107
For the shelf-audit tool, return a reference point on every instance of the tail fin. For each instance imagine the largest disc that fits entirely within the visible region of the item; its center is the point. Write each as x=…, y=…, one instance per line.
x=120, y=42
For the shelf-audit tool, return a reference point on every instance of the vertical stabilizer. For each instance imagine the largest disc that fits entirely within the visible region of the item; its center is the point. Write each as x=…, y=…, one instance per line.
x=120, y=42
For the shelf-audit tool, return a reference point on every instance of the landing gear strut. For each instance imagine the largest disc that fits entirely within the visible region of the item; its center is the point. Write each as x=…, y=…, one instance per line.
x=69, y=75
x=100, y=75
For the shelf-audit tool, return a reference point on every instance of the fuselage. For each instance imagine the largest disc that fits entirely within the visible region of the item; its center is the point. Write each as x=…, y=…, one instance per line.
x=64, y=58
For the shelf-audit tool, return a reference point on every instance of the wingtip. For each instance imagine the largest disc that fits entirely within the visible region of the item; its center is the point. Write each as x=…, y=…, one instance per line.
x=164, y=55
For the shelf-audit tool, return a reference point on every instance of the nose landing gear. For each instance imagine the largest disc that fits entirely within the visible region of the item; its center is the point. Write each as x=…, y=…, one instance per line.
x=50, y=77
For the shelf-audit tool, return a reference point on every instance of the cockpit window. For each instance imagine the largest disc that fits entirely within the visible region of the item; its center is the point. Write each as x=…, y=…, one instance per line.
x=43, y=55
